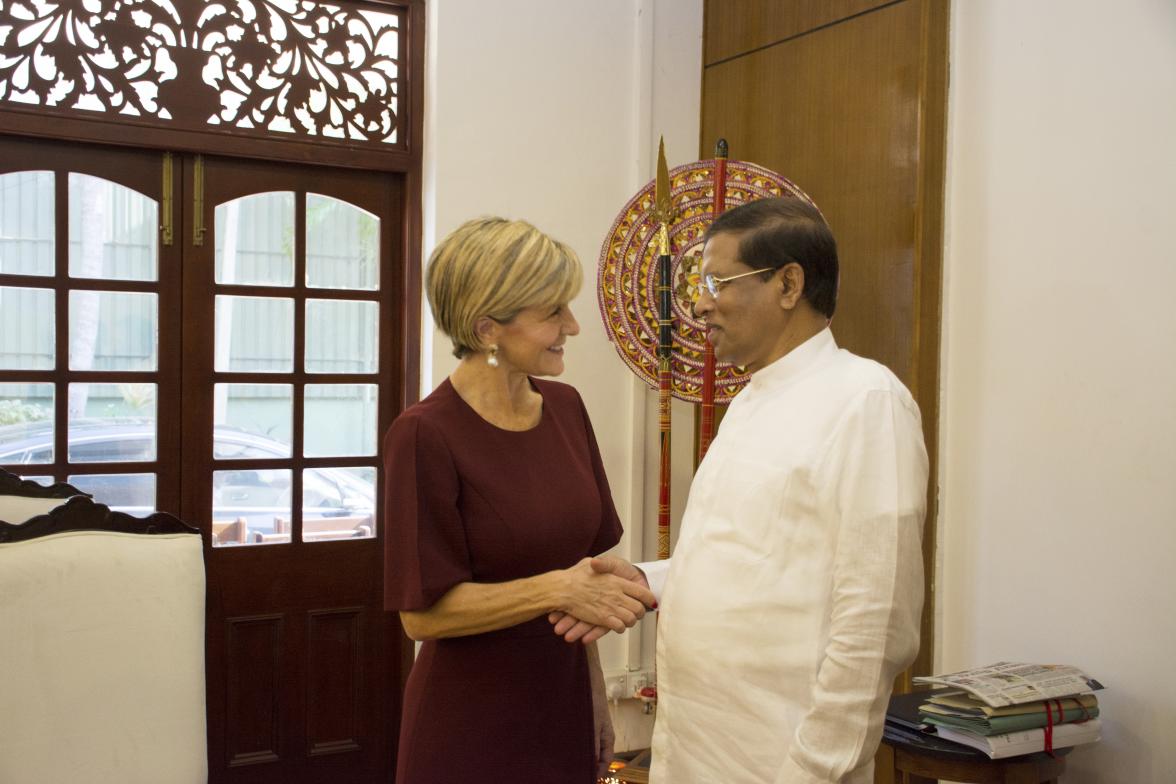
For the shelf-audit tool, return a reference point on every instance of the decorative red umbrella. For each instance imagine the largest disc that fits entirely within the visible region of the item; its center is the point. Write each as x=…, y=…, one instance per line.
x=654, y=248
x=627, y=277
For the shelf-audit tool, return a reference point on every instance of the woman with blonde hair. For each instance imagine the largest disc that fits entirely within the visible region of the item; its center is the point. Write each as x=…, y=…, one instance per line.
x=496, y=499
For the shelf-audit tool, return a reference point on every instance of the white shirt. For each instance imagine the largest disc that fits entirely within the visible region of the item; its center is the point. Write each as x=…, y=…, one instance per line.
x=792, y=600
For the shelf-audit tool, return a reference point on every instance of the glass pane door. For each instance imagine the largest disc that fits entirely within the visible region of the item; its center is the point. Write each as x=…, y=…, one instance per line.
x=239, y=376
x=291, y=306
x=83, y=330
x=291, y=374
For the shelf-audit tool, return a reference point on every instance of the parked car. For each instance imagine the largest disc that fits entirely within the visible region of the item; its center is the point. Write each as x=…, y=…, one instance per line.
x=260, y=496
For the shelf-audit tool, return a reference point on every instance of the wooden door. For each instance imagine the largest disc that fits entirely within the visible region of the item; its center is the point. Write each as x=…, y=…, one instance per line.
x=244, y=374
x=89, y=322
x=291, y=340
x=848, y=100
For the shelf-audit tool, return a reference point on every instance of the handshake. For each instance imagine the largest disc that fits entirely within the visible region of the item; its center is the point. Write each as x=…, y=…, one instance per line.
x=603, y=594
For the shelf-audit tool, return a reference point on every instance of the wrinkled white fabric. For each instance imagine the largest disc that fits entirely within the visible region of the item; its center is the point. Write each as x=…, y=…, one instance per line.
x=793, y=596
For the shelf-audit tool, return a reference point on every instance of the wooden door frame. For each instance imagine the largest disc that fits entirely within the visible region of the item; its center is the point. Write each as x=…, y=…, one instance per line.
x=224, y=180
x=406, y=160
x=925, y=349
x=924, y=358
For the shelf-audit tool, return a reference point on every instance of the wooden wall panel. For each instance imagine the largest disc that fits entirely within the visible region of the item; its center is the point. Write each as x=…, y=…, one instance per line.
x=254, y=663
x=735, y=27
x=854, y=113
x=858, y=83
x=334, y=669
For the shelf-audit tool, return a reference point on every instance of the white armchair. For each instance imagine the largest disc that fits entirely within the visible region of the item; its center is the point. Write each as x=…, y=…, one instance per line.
x=101, y=643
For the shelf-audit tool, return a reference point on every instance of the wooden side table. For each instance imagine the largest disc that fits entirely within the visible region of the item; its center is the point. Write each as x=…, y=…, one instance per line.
x=901, y=763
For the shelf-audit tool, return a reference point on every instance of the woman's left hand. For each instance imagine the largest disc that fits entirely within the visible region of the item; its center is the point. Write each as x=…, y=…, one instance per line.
x=601, y=719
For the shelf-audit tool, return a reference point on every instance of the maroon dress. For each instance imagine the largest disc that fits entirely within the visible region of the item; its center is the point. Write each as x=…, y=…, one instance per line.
x=470, y=502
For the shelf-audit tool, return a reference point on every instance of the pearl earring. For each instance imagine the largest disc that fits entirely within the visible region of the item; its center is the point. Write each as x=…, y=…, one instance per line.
x=492, y=359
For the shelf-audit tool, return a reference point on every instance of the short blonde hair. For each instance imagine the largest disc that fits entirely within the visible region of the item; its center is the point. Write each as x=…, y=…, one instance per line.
x=496, y=267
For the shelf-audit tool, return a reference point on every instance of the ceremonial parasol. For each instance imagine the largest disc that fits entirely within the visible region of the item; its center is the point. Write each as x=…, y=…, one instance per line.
x=648, y=281
x=627, y=277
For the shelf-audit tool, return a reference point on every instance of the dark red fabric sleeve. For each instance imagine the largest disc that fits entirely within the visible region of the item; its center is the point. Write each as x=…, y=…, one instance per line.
x=425, y=552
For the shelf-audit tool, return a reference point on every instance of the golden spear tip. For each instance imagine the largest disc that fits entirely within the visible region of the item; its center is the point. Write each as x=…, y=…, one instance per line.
x=664, y=206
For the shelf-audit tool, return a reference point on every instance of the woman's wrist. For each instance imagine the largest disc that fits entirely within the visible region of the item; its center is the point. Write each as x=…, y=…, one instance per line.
x=552, y=590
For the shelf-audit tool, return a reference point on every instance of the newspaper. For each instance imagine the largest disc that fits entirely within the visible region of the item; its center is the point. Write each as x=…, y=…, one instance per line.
x=1007, y=683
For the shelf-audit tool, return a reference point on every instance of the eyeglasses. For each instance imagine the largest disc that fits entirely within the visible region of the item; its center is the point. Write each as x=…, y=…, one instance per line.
x=715, y=284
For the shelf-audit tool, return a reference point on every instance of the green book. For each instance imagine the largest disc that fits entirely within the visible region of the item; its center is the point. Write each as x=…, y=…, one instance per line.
x=958, y=703
x=999, y=725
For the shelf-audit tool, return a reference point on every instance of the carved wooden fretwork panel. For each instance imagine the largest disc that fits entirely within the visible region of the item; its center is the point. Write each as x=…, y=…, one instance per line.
x=286, y=68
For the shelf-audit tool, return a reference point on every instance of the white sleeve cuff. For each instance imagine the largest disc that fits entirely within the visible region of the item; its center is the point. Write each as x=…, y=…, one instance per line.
x=655, y=574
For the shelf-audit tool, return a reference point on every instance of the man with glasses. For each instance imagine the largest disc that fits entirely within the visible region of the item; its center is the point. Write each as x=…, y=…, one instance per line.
x=792, y=599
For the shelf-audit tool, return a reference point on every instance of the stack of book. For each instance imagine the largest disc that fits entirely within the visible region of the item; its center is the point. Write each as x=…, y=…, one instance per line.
x=1014, y=729
x=1006, y=709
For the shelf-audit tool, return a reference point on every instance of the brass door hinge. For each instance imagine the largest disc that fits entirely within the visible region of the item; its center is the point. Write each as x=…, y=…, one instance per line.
x=166, y=205
x=198, y=228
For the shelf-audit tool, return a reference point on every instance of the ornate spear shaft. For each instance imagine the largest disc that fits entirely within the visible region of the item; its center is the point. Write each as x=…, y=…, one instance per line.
x=664, y=213
x=706, y=426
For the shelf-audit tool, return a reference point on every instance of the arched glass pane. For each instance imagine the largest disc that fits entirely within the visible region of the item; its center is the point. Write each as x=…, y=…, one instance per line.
x=342, y=245
x=254, y=334
x=113, y=231
x=341, y=336
x=255, y=240
x=113, y=330
x=27, y=329
x=26, y=223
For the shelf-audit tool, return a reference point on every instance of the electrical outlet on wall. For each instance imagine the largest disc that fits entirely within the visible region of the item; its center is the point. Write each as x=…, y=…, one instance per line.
x=624, y=684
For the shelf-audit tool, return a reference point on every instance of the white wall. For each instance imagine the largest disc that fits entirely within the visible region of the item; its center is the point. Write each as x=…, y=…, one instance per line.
x=1058, y=460
x=550, y=112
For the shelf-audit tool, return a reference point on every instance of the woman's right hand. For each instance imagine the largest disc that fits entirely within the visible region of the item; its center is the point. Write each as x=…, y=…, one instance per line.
x=604, y=599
